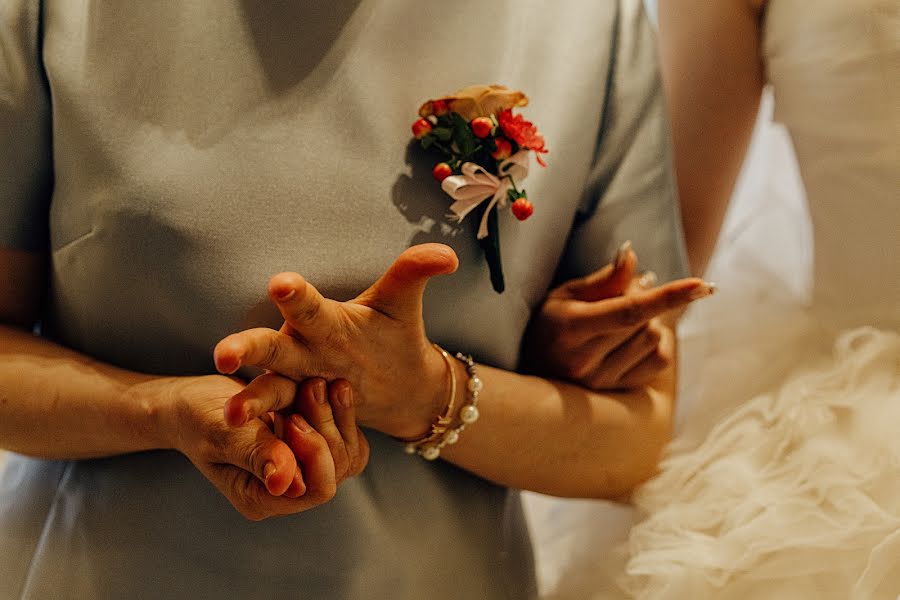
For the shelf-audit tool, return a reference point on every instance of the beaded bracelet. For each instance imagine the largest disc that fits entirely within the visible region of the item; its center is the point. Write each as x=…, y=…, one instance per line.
x=430, y=447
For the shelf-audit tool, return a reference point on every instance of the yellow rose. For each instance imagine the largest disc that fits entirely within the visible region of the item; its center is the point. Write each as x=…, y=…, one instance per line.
x=476, y=101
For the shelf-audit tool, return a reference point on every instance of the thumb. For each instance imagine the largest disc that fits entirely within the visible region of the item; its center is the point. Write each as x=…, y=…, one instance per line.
x=255, y=449
x=398, y=293
x=609, y=281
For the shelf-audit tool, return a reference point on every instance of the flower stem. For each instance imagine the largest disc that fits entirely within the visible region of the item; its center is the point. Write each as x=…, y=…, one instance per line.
x=491, y=247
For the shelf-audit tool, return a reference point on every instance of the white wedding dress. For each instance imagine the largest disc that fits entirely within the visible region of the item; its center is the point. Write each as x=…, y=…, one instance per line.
x=784, y=477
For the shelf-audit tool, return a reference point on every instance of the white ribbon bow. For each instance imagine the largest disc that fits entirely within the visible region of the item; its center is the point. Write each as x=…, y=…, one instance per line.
x=476, y=185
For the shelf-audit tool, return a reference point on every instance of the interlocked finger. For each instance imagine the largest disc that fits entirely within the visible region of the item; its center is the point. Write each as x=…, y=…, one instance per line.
x=314, y=456
x=312, y=403
x=255, y=449
x=267, y=393
x=341, y=398
x=266, y=349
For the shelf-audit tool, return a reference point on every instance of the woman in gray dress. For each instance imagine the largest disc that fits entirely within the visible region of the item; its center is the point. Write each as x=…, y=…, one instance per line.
x=161, y=162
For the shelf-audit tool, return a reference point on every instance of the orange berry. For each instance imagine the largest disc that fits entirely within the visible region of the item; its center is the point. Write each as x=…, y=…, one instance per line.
x=421, y=128
x=439, y=108
x=522, y=208
x=504, y=149
x=441, y=171
x=482, y=126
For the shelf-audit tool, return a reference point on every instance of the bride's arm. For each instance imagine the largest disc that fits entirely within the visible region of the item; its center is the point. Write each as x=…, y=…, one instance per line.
x=713, y=76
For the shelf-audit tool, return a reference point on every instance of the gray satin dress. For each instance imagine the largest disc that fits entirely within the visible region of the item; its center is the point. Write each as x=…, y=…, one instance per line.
x=171, y=156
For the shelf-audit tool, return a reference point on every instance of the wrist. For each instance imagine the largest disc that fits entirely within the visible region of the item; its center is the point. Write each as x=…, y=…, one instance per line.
x=431, y=396
x=455, y=419
x=156, y=401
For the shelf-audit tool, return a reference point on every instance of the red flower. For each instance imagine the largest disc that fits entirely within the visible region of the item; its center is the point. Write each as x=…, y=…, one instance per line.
x=441, y=171
x=421, y=128
x=523, y=132
x=522, y=208
x=482, y=127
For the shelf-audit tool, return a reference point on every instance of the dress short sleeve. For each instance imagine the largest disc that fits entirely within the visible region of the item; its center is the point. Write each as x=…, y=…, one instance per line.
x=26, y=177
x=630, y=192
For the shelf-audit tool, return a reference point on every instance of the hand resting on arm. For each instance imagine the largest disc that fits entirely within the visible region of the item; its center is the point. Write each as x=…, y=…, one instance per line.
x=534, y=433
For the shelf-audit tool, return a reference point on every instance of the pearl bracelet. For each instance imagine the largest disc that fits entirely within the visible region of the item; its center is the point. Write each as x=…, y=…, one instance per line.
x=430, y=447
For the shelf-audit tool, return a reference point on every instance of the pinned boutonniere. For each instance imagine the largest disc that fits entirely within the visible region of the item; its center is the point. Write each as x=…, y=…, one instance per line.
x=484, y=154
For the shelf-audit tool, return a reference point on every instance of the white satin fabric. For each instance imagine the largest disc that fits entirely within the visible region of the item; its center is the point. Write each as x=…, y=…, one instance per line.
x=784, y=478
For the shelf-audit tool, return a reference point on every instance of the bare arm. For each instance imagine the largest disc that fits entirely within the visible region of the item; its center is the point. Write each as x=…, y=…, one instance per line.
x=80, y=407
x=713, y=76
x=59, y=404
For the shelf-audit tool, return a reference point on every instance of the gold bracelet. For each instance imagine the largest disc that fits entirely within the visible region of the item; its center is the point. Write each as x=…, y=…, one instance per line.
x=445, y=419
x=430, y=448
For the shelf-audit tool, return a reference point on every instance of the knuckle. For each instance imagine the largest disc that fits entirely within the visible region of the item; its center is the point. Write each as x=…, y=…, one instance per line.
x=326, y=492
x=342, y=466
x=246, y=503
x=252, y=514
x=631, y=313
x=307, y=307
x=330, y=492
x=578, y=368
x=362, y=457
x=285, y=391
x=653, y=336
x=253, y=457
x=661, y=358
x=317, y=442
x=271, y=353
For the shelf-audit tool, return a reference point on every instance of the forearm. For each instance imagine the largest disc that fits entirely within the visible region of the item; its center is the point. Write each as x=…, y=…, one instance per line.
x=561, y=439
x=58, y=404
x=713, y=78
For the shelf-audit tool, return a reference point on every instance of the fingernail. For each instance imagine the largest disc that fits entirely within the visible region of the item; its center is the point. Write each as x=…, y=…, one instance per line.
x=268, y=471
x=648, y=279
x=224, y=364
x=319, y=392
x=707, y=289
x=344, y=397
x=301, y=424
x=284, y=294
x=621, y=253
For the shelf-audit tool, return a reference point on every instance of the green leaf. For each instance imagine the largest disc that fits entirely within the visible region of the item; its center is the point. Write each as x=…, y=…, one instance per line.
x=463, y=135
x=427, y=142
x=442, y=133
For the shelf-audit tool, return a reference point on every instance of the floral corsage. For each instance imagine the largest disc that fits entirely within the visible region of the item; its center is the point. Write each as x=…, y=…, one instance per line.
x=484, y=153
